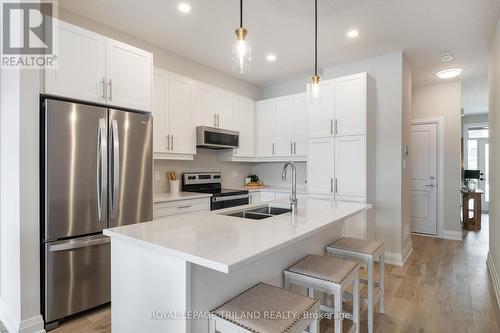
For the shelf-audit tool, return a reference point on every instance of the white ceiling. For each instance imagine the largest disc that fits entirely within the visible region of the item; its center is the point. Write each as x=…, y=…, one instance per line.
x=422, y=28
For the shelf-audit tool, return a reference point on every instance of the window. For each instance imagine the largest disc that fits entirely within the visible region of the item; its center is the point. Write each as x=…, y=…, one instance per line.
x=479, y=133
x=472, y=155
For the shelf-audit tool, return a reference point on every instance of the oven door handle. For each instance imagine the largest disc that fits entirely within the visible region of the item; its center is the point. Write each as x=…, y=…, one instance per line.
x=232, y=197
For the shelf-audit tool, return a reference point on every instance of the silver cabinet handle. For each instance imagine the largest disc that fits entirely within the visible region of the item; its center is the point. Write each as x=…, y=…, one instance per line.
x=101, y=177
x=295, y=148
x=273, y=148
x=104, y=90
x=331, y=185
x=76, y=244
x=115, y=146
x=110, y=85
x=171, y=142
x=215, y=119
x=218, y=120
x=167, y=144
x=291, y=148
x=331, y=126
x=184, y=207
x=336, y=185
x=336, y=123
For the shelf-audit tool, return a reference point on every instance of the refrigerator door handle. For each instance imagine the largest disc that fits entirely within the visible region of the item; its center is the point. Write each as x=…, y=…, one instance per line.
x=116, y=167
x=77, y=244
x=101, y=169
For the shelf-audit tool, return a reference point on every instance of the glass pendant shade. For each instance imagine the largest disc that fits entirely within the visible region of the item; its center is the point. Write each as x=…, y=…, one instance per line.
x=242, y=53
x=315, y=92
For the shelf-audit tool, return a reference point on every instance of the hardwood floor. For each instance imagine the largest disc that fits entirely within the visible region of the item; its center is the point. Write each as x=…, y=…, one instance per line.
x=444, y=287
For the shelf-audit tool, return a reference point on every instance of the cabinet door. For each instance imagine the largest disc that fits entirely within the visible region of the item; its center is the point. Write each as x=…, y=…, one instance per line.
x=80, y=71
x=181, y=114
x=265, y=127
x=243, y=121
x=129, y=71
x=284, y=126
x=224, y=109
x=321, y=112
x=320, y=166
x=204, y=104
x=300, y=124
x=350, y=166
x=160, y=112
x=350, y=104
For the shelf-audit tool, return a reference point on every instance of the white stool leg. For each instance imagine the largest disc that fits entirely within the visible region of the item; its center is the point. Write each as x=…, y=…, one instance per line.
x=355, y=301
x=370, y=296
x=338, y=310
x=286, y=282
x=211, y=325
x=381, y=282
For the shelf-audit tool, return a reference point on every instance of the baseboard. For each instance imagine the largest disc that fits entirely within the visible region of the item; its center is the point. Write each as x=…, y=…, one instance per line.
x=393, y=258
x=451, y=235
x=31, y=325
x=407, y=251
x=494, y=277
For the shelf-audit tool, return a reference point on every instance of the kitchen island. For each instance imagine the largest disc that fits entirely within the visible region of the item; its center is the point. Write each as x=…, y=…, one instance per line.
x=167, y=273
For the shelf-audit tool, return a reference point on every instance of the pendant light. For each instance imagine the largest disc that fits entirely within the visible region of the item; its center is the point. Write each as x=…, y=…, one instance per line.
x=242, y=53
x=315, y=89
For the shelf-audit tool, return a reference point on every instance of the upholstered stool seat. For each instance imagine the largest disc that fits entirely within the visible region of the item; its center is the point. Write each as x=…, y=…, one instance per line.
x=266, y=309
x=332, y=276
x=365, y=252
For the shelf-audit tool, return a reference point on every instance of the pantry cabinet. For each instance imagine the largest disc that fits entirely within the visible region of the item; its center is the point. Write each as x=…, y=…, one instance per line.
x=94, y=68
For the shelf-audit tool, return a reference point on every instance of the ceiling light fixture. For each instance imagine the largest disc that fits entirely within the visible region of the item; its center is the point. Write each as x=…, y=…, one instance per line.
x=242, y=53
x=353, y=33
x=315, y=89
x=447, y=56
x=449, y=73
x=184, y=7
x=271, y=57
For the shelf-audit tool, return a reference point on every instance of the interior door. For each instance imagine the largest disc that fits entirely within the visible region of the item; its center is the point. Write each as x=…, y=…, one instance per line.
x=284, y=126
x=483, y=163
x=81, y=65
x=129, y=72
x=75, y=169
x=320, y=166
x=422, y=165
x=130, y=168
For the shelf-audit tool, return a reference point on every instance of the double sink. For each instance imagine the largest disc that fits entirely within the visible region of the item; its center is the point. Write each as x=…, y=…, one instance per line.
x=260, y=213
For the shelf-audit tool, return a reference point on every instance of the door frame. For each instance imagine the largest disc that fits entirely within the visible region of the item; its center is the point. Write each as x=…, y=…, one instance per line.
x=439, y=121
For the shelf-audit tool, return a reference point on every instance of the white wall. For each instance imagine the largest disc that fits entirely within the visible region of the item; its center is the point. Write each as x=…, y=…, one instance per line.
x=475, y=96
x=444, y=101
x=494, y=108
x=270, y=174
x=387, y=72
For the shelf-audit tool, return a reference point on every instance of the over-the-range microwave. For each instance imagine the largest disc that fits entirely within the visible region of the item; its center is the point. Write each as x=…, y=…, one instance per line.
x=216, y=138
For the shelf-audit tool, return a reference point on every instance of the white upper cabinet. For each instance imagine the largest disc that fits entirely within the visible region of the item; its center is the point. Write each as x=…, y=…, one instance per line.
x=351, y=104
x=321, y=112
x=350, y=166
x=181, y=114
x=94, y=68
x=265, y=131
x=224, y=109
x=300, y=107
x=81, y=65
x=243, y=121
x=320, y=166
x=204, y=105
x=160, y=112
x=284, y=126
x=128, y=71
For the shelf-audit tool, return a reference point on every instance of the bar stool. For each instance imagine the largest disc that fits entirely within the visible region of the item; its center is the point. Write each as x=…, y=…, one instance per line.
x=266, y=309
x=365, y=252
x=331, y=276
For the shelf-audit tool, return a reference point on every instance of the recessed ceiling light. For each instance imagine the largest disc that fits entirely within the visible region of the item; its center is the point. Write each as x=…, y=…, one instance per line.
x=184, y=7
x=449, y=73
x=271, y=57
x=353, y=33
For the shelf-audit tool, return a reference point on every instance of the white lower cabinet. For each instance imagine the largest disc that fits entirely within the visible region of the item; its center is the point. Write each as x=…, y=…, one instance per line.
x=164, y=209
x=350, y=166
x=320, y=166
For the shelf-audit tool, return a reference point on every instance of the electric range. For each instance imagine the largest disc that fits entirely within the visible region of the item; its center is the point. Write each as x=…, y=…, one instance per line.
x=210, y=182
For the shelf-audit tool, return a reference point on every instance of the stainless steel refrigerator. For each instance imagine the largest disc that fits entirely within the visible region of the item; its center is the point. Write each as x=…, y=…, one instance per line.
x=96, y=173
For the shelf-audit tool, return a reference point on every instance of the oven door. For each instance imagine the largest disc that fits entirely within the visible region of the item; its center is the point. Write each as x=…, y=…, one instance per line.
x=229, y=201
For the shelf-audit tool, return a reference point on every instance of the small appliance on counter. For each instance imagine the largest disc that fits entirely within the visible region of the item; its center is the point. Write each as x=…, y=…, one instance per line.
x=173, y=182
x=210, y=182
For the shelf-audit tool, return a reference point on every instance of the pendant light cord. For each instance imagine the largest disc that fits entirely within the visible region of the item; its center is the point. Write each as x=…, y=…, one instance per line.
x=241, y=13
x=315, y=37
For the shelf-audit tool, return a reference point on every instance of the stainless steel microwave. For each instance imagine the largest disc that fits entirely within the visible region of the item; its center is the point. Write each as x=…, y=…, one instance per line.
x=216, y=138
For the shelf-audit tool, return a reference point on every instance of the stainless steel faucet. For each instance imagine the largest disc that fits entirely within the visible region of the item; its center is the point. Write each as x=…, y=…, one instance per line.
x=293, y=194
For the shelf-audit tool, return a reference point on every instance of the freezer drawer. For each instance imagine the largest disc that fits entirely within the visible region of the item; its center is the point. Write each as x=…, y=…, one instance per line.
x=77, y=276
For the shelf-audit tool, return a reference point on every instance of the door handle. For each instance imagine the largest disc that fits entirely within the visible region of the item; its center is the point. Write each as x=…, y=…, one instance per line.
x=101, y=176
x=295, y=148
x=172, y=141
x=273, y=148
x=215, y=119
x=335, y=126
x=291, y=148
x=110, y=84
x=167, y=145
x=331, y=126
x=77, y=244
x=331, y=185
x=336, y=186
x=184, y=207
x=430, y=185
x=104, y=90
x=116, y=167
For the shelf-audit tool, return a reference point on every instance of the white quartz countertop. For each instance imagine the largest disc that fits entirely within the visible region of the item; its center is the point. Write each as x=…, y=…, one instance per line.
x=225, y=243
x=167, y=197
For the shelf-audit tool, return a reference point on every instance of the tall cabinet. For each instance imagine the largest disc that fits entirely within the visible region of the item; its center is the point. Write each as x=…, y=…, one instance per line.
x=342, y=146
